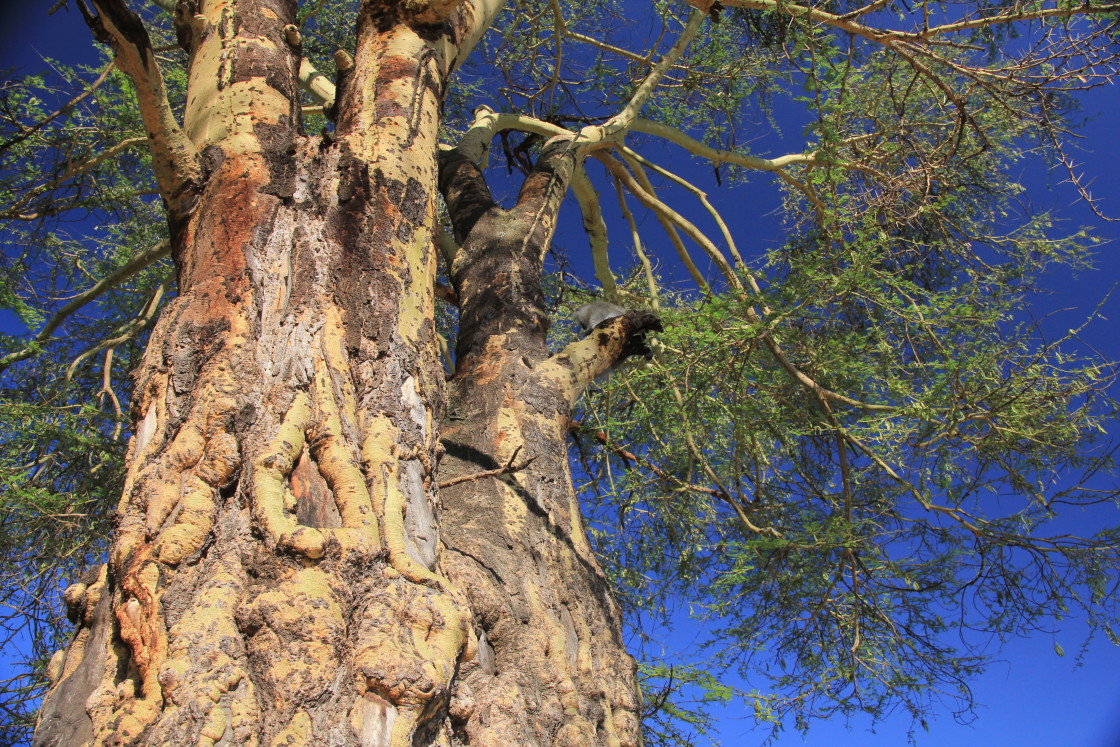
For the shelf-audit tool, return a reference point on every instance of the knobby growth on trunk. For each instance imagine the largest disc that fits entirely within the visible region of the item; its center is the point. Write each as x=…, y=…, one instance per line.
x=844, y=447
x=278, y=575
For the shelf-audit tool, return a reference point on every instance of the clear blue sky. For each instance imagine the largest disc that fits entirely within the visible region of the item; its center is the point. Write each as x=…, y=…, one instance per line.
x=1031, y=696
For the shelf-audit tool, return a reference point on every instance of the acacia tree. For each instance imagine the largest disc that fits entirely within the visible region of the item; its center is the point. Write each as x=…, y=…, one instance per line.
x=325, y=534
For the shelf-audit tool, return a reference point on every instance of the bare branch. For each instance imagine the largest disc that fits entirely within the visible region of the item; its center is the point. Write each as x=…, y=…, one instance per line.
x=631, y=155
x=126, y=331
x=75, y=169
x=175, y=160
x=588, y=200
x=107, y=391
x=619, y=171
x=581, y=362
x=885, y=36
x=112, y=280
x=509, y=468
x=618, y=125
x=636, y=239
x=64, y=109
x=318, y=85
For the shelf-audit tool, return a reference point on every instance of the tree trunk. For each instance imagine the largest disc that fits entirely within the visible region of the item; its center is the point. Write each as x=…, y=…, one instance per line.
x=277, y=575
x=552, y=668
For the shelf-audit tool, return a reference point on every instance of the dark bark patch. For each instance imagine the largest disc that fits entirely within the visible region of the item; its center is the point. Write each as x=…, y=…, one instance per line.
x=177, y=230
x=389, y=108
x=433, y=32
x=637, y=324
x=349, y=218
x=383, y=15
x=187, y=352
x=398, y=68
x=543, y=399
x=245, y=418
x=128, y=22
x=255, y=19
x=353, y=181
x=278, y=148
x=185, y=10
x=414, y=206
x=408, y=200
x=63, y=719
x=212, y=158
x=394, y=190
x=465, y=191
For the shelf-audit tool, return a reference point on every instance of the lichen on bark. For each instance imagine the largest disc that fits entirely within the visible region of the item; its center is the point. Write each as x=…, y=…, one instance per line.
x=284, y=571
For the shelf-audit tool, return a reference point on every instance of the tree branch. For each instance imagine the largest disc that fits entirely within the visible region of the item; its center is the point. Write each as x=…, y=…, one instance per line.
x=618, y=125
x=509, y=467
x=596, y=229
x=464, y=191
x=619, y=171
x=318, y=85
x=76, y=169
x=583, y=361
x=126, y=331
x=122, y=273
x=701, y=195
x=175, y=160
x=65, y=108
x=636, y=240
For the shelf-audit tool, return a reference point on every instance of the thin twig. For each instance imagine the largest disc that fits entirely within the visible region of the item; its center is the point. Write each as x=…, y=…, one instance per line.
x=509, y=467
x=122, y=273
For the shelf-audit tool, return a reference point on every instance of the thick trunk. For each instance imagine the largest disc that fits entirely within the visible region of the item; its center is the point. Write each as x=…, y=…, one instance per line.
x=552, y=667
x=264, y=585
x=276, y=575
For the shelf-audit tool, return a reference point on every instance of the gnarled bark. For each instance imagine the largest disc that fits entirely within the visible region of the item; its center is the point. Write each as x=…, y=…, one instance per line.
x=276, y=576
x=264, y=584
x=552, y=669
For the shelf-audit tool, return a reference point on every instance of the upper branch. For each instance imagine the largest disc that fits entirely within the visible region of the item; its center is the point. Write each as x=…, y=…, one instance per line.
x=315, y=83
x=113, y=279
x=399, y=36
x=885, y=36
x=176, y=162
x=464, y=190
x=582, y=361
x=620, y=123
x=545, y=186
x=26, y=132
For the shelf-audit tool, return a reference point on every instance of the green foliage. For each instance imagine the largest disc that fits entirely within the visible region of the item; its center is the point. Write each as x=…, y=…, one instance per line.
x=77, y=202
x=831, y=546
x=858, y=537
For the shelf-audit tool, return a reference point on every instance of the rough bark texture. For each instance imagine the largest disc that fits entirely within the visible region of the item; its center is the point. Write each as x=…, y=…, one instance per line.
x=552, y=668
x=276, y=576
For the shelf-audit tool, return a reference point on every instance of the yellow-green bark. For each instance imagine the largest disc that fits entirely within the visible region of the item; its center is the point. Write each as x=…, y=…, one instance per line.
x=278, y=576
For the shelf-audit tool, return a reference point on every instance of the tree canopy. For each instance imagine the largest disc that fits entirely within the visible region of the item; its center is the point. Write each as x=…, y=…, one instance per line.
x=854, y=451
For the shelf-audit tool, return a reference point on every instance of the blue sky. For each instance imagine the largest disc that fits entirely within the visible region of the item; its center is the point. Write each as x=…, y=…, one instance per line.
x=1030, y=696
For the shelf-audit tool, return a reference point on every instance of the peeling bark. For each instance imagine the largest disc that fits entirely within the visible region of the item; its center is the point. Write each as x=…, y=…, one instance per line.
x=279, y=573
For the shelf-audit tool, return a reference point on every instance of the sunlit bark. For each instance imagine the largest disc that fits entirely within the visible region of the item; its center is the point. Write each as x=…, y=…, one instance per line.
x=275, y=576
